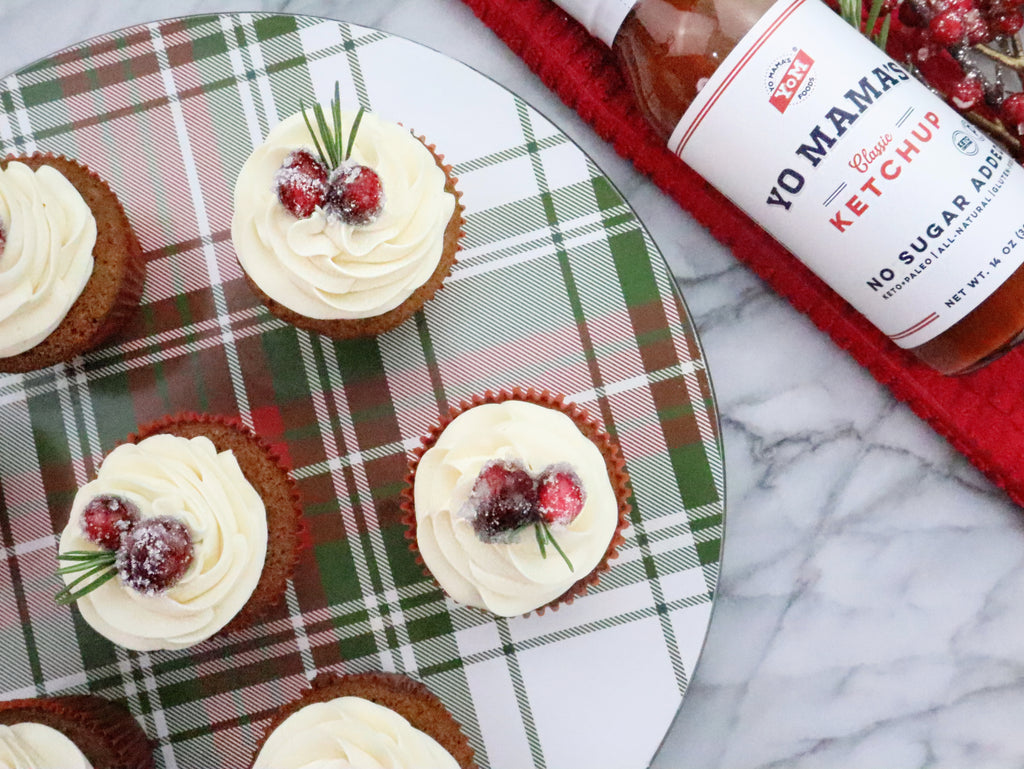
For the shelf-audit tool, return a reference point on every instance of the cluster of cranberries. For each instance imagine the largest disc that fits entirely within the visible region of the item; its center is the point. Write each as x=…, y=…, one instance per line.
x=506, y=498
x=945, y=39
x=351, y=192
x=152, y=554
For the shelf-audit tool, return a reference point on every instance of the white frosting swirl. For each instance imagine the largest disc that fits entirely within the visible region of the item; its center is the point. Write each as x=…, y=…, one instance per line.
x=47, y=258
x=37, y=746
x=509, y=578
x=350, y=732
x=188, y=480
x=322, y=267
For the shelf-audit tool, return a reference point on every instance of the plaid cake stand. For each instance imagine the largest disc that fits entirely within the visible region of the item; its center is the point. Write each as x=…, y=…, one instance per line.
x=559, y=286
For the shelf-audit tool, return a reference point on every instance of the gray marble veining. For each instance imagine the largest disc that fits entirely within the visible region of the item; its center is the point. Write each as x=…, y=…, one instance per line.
x=871, y=605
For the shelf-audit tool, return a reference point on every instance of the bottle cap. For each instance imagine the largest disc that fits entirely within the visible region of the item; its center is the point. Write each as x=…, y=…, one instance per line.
x=602, y=18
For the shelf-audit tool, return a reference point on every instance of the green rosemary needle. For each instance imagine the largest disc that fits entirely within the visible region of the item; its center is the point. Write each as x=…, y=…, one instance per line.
x=551, y=538
x=94, y=567
x=333, y=151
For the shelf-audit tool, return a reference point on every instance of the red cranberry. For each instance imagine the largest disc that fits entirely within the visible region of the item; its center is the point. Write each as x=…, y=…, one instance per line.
x=355, y=195
x=155, y=554
x=1007, y=23
x=977, y=29
x=560, y=494
x=947, y=28
x=107, y=519
x=966, y=93
x=504, y=500
x=301, y=183
x=1012, y=112
x=910, y=15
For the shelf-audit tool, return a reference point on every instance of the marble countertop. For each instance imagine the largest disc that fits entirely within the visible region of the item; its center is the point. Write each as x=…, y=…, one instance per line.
x=871, y=604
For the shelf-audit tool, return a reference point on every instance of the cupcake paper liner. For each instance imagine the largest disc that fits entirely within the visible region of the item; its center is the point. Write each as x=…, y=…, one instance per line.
x=588, y=425
x=351, y=328
x=270, y=590
x=77, y=323
x=406, y=696
x=105, y=732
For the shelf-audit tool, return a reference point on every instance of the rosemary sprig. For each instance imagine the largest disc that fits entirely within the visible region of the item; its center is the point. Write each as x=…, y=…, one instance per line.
x=853, y=12
x=95, y=567
x=542, y=525
x=352, y=133
x=333, y=152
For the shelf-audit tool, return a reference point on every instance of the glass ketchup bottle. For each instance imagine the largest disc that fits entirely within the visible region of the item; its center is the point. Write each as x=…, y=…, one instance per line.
x=892, y=198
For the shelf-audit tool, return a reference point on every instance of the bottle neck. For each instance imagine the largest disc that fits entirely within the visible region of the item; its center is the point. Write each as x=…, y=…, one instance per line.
x=601, y=18
x=667, y=49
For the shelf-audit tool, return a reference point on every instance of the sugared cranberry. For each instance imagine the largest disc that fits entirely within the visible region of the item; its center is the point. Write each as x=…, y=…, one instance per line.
x=155, y=554
x=355, y=195
x=1012, y=112
x=966, y=93
x=977, y=28
x=301, y=183
x=560, y=494
x=910, y=14
x=947, y=28
x=504, y=500
x=1006, y=23
x=3, y=238
x=107, y=519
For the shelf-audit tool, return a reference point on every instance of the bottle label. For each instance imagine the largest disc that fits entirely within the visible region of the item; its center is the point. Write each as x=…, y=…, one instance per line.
x=897, y=202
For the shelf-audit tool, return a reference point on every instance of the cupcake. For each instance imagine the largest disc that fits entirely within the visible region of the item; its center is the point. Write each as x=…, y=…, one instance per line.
x=71, y=269
x=516, y=502
x=346, y=228
x=364, y=720
x=189, y=529
x=73, y=732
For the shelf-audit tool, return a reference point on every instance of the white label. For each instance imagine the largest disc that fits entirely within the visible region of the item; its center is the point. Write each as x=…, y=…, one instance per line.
x=892, y=198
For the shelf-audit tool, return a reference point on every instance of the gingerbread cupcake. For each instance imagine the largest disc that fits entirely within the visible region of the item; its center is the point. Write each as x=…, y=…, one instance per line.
x=345, y=224
x=189, y=529
x=516, y=502
x=364, y=719
x=71, y=268
x=72, y=732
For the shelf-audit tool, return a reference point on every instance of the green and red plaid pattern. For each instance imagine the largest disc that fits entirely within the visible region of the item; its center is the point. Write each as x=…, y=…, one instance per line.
x=558, y=287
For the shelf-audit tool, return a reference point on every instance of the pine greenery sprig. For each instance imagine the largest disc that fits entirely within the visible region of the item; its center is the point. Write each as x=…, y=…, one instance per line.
x=94, y=567
x=333, y=152
x=543, y=532
x=853, y=12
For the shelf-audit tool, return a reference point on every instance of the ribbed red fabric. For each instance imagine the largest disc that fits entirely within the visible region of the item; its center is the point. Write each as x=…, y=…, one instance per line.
x=981, y=414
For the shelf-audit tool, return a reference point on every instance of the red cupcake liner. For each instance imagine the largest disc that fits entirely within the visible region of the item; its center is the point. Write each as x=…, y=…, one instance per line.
x=588, y=425
x=105, y=732
x=131, y=284
x=352, y=328
x=408, y=697
x=268, y=595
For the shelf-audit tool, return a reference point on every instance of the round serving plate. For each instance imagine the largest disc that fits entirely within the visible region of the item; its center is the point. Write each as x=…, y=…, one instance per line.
x=558, y=287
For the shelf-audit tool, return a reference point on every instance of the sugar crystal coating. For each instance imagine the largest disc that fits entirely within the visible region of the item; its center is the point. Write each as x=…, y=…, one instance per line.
x=107, y=519
x=504, y=498
x=155, y=554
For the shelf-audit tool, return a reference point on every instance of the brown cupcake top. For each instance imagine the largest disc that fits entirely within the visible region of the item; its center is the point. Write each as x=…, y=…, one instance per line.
x=196, y=500
x=105, y=732
x=115, y=284
x=508, y=445
x=410, y=699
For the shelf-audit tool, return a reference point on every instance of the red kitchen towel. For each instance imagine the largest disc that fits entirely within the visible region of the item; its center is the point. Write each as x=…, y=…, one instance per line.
x=981, y=414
